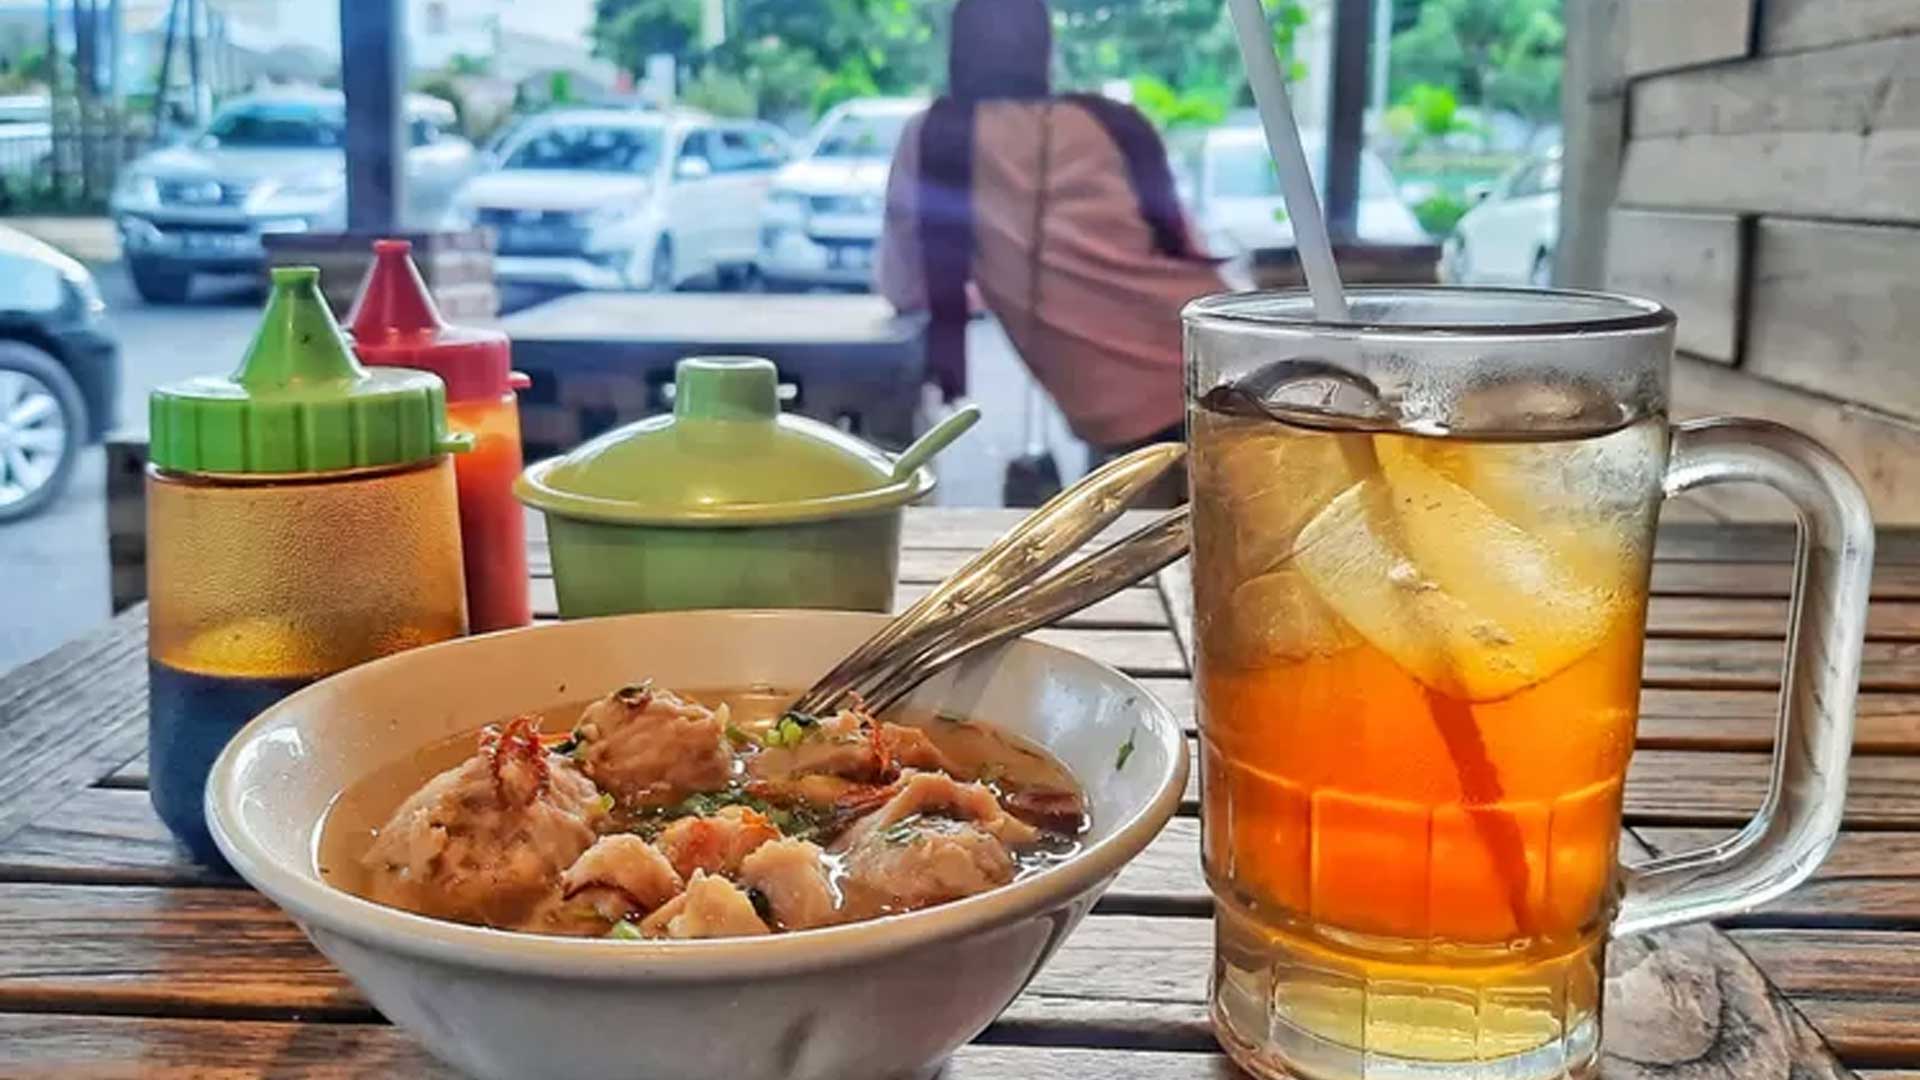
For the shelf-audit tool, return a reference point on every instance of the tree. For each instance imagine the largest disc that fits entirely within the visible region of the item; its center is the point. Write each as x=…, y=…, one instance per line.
x=1495, y=53
x=1187, y=45
x=629, y=31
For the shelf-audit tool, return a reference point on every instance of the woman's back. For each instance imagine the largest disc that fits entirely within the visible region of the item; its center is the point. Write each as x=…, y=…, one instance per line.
x=1064, y=256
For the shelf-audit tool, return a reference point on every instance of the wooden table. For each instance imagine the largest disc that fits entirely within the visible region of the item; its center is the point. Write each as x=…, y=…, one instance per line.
x=118, y=957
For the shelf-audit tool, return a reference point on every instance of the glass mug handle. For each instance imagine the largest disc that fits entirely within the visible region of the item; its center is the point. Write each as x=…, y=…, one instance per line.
x=1826, y=624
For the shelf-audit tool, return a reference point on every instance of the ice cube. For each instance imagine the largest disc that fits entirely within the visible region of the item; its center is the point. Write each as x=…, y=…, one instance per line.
x=1273, y=617
x=1256, y=484
x=1464, y=600
x=1590, y=500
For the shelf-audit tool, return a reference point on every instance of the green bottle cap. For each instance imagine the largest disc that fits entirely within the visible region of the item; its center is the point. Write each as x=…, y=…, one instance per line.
x=299, y=402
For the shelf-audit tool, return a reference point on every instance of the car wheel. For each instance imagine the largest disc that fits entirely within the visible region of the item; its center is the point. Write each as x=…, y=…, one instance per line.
x=43, y=424
x=157, y=285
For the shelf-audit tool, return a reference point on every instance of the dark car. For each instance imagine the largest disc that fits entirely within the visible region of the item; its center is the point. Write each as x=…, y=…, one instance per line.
x=59, y=372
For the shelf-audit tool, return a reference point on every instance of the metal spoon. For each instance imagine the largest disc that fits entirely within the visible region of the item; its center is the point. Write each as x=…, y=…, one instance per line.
x=982, y=602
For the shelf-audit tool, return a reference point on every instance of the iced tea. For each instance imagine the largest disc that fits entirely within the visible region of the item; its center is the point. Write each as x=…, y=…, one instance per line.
x=1419, y=672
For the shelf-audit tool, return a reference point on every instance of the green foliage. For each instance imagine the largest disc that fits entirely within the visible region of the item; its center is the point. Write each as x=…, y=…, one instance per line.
x=1426, y=112
x=629, y=31
x=721, y=93
x=25, y=71
x=1170, y=110
x=818, y=53
x=1497, y=53
x=853, y=80
x=462, y=64
x=793, y=56
x=1185, y=44
x=1439, y=213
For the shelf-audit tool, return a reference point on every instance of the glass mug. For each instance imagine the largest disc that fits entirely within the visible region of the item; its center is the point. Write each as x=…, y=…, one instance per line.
x=1422, y=546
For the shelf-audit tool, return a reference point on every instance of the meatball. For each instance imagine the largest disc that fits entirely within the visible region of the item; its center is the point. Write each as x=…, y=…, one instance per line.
x=912, y=748
x=485, y=841
x=622, y=875
x=711, y=907
x=649, y=747
x=793, y=879
x=842, y=745
x=923, y=860
x=932, y=793
x=851, y=746
x=716, y=844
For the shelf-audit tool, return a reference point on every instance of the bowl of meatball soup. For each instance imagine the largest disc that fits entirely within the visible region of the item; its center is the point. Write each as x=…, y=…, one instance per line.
x=607, y=848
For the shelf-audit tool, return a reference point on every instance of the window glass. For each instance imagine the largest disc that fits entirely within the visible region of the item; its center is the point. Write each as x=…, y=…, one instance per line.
x=279, y=125
x=769, y=149
x=588, y=148
x=730, y=151
x=858, y=135
x=695, y=145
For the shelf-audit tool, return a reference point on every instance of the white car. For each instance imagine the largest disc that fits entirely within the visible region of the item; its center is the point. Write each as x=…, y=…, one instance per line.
x=266, y=163
x=1231, y=190
x=824, y=214
x=1511, y=235
x=624, y=199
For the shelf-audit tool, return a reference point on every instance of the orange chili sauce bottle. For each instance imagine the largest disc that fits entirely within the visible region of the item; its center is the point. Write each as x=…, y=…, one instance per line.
x=396, y=324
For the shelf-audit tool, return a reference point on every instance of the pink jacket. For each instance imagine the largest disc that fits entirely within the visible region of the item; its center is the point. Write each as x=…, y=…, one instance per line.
x=1094, y=311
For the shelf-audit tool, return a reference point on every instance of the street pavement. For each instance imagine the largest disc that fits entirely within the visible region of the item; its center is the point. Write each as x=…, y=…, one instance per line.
x=53, y=568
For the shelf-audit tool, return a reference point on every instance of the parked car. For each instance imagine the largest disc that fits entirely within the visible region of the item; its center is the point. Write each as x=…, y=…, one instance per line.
x=824, y=214
x=59, y=372
x=1233, y=194
x=622, y=199
x=26, y=136
x=1511, y=234
x=267, y=163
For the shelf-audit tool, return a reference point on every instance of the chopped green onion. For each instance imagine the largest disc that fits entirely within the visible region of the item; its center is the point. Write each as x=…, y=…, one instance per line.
x=1126, y=751
x=740, y=736
x=625, y=931
x=606, y=802
x=900, y=832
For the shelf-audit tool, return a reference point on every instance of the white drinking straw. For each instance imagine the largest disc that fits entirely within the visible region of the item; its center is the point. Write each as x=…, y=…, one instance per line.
x=1283, y=141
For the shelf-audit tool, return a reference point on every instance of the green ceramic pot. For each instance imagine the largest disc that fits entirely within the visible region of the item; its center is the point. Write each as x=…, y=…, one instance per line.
x=728, y=503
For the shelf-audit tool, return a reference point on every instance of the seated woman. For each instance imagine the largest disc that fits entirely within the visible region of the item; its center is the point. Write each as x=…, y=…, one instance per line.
x=1060, y=210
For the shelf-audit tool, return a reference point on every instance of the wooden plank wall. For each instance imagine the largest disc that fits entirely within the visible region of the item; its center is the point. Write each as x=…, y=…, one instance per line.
x=1755, y=164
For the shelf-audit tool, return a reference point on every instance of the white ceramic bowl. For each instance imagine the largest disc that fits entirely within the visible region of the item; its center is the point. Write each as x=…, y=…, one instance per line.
x=888, y=998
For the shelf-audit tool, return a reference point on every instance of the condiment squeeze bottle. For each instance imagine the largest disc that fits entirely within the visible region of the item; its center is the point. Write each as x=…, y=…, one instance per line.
x=300, y=520
x=396, y=324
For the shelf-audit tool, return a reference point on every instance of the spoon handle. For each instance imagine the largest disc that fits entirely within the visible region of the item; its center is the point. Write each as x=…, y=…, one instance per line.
x=937, y=438
x=1045, y=537
x=1085, y=583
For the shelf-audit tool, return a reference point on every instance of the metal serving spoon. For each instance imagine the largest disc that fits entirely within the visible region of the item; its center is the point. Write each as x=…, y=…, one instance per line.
x=1001, y=593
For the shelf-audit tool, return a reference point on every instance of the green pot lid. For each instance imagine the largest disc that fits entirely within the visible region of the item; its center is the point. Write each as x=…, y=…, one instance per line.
x=726, y=456
x=299, y=401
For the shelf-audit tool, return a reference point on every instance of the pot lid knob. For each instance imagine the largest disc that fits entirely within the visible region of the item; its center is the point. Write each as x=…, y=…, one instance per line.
x=726, y=388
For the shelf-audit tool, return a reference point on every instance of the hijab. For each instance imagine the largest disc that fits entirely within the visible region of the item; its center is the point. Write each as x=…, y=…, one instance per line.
x=1002, y=50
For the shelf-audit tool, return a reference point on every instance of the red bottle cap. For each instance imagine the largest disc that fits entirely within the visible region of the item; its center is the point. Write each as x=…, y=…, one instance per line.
x=395, y=324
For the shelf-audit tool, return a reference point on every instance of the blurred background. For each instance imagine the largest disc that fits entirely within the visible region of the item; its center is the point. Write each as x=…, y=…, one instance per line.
x=1750, y=164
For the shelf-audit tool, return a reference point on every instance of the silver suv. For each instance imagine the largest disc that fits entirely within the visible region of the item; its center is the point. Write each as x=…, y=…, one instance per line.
x=266, y=163
x=624, y=199
x=823, y=217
